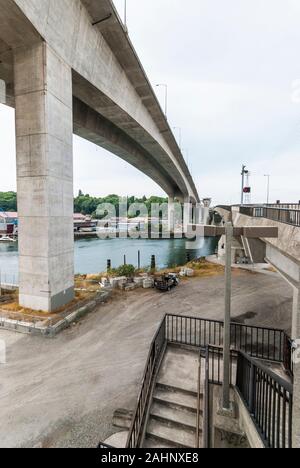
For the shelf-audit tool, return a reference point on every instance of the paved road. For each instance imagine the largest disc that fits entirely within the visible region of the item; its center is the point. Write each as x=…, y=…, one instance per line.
x=63, y=392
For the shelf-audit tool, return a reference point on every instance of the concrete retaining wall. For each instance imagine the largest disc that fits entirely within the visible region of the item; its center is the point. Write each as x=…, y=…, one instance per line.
x=53, y=330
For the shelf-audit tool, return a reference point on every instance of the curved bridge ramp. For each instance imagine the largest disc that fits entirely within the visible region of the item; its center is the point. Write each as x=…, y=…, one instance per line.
x=173, y=418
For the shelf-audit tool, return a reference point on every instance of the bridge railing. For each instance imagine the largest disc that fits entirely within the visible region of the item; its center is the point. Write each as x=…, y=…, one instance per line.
x=282, y=215
x=269, y=400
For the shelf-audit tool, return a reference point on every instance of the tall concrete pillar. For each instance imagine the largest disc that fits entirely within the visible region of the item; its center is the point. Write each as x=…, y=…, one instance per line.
x=296, y=337
x=44, y=134
x=187, y=215
x=171, y=215
x=198, y=213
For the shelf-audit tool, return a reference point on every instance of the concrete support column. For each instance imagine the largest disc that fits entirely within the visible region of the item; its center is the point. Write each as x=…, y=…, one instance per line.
x=171, y=215
x=187, y=214
x=198, y=214
x=296, y=337
x=44, y=134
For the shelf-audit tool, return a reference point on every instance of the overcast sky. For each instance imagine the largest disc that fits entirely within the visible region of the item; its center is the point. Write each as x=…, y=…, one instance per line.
x=232, y=69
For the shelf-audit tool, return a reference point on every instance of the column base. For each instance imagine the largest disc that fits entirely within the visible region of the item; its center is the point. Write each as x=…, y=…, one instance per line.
x=47, y=304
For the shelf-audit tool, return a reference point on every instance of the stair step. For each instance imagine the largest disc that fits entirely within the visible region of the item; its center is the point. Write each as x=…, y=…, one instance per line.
x=180, y=368
x=170, y=435
x=175, y=398
x=179, y=417
x=156, y=444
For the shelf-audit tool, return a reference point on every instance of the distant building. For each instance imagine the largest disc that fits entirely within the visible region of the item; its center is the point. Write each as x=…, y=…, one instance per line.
x=9, y=222
x=9, y=217
x=84, y=223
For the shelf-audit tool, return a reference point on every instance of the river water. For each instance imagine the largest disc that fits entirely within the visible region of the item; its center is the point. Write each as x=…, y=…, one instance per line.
x=91, y=255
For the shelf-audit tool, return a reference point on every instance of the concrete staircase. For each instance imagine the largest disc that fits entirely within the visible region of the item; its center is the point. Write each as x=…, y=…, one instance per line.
x=173, y=413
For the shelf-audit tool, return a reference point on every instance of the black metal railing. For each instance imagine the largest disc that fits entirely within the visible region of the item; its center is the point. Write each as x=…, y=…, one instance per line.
x=269, y=400
x=156, y=350
x=213, y=357
x=260, y=342
x=277, y=213
x=206, y=411
x=288, y=352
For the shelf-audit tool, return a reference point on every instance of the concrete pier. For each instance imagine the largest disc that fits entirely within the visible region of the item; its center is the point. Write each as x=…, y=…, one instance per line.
x=171, y=215
x=44, y=133
x=70, y=66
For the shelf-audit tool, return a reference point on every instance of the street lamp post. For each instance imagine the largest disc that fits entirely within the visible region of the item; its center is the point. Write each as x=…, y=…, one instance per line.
x=268, y=188
x=166, y=96
x=125, y=13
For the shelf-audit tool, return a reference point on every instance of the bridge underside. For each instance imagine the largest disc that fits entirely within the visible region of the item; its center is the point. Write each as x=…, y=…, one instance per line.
x=63, y=74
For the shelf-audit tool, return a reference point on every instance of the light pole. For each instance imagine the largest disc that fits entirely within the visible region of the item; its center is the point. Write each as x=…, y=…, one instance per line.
x=125, y=13
x=166, y=96
x=180, y=136
x=268, y=188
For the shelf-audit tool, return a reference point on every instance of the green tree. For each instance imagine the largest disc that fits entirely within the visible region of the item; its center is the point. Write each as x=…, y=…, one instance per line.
x=8, y=201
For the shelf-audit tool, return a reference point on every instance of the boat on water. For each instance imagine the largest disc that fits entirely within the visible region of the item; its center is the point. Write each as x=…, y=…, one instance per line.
x=7, y=239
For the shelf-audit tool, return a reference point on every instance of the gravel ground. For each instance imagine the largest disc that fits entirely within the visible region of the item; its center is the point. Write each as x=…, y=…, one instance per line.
x=62, y=392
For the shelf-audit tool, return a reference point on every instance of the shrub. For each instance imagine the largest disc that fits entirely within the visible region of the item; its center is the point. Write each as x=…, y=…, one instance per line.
x=126, y=270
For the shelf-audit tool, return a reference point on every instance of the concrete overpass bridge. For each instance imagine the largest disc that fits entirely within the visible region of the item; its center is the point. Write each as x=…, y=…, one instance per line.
x=69, y=66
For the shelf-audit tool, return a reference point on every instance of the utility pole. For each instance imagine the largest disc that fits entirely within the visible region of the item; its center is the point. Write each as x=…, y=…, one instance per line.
x=227, y=317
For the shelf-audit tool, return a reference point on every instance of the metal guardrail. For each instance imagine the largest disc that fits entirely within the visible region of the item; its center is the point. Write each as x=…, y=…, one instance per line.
x=288, y=352
x=206, y=412
x=197, y=440
x=200, y=333
x=214, y=376
x=259, y=342
x=156, y=349
x=269, y=400
x=289, y=216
